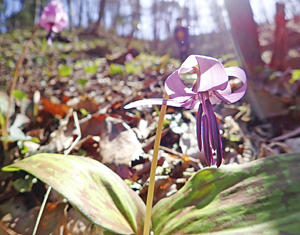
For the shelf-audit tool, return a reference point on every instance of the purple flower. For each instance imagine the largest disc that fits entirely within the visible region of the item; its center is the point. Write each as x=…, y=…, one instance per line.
x=53, y=18
x=211, y=87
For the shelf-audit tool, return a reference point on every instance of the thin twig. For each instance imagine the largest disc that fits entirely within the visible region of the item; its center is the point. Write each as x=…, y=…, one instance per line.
x=172, y=151
x=50, y=188
x=6, y=230
x=150, y=193
x=287, y=135
x=41, y=210
x=15, y=79
x=78, y=132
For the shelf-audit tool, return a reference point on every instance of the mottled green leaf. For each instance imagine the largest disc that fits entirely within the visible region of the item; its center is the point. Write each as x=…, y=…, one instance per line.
x=65, y=71
x=84, y=112
x=132, y=68
x=261, y=197
x=10, y=64
x=24, y=184
x=82, y=81
x=91, y=69
x=79, y=64
x=116, y=69
x=96, y=191
x=19, y=95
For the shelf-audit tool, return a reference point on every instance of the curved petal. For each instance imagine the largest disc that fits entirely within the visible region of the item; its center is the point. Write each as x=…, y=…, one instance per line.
x=175, y=87
x=154, y=101
x=214, y=99
x=226, y=95
x=191, y=104
x=213, y=75
x=188, y=64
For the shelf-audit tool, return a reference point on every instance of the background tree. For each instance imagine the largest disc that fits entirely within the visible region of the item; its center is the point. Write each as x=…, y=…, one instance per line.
x=169, y=14
x=2, y=17
x=37, y=11
x=80, y=12
x=101, y=13
x=154, y=12
x=122, y=16
x=70, y=6
x=245, y=34
x=23, y=18
x=216, y=12
x=114, y=7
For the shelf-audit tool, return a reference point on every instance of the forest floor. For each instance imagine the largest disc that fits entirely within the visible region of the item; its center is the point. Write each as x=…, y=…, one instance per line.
x=94, y=78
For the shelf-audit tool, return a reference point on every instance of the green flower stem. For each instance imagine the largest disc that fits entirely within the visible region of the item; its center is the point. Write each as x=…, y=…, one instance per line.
x=150, y=193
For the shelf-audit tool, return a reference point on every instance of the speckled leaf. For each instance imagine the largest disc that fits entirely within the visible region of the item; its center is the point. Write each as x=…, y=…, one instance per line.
x=261, y=197
x=95, y=190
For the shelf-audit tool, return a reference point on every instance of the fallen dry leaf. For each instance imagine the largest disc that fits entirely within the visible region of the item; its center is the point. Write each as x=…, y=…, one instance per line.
x=55, y=109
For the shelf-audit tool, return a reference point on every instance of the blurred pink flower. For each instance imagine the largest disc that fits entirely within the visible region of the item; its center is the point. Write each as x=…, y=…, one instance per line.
x=128, y=57
x=54, y=18
x=211, y=86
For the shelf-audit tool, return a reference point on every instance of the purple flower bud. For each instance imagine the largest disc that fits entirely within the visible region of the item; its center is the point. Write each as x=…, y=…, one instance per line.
x=206, y=145
x=198, y=126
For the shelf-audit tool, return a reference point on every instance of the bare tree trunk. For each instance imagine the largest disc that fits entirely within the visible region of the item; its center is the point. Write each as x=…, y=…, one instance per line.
x=135, y=20
x=154, y=14
x=88, y=10
x=37, y=11
x=245, y=34
x=186, y=15
x=2, y=13
x=70, y=15
x=80, y=11
x=216, y=13
x=168, y=28
x=280, y=47
x=101, y=13
x=116, y=16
